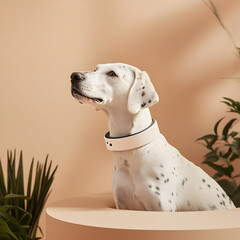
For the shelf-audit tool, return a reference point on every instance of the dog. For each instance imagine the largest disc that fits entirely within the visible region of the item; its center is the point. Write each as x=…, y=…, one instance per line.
x=155, y=176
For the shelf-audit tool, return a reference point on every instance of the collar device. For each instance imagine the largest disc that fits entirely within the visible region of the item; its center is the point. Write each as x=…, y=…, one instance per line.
x=133, y=141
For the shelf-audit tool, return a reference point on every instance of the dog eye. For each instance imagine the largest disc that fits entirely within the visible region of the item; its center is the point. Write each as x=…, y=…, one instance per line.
x=112, y=74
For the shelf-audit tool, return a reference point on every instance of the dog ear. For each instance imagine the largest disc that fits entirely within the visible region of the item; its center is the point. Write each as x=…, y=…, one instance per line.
x=142, y=93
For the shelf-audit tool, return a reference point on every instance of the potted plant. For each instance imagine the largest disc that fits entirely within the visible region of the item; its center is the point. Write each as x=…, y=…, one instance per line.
x=20, y=209
x=224, y=147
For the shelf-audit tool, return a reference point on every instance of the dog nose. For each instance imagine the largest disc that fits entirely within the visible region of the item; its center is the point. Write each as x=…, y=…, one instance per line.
x=77, y=76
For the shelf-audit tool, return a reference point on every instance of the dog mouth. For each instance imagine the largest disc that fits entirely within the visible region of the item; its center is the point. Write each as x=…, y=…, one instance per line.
x=77, y=92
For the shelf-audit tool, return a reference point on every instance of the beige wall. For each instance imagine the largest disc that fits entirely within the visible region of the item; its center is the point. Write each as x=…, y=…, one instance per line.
x=179, y=43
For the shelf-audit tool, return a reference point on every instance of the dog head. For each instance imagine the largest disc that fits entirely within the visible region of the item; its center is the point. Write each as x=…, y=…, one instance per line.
x=115, y=85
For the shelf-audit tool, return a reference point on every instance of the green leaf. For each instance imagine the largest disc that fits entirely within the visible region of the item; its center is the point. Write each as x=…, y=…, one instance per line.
x=12, y=195
x=206, y=137
x=5, y=236
x=224, y=170
x=234, y=105
x=216, y=125
x=234, y=157
x=211, y=143
x=6, y=207
x=227, y=103
x=30, y=179
x=19, y=180
x=235, y=146
x=236, y=198
x=226, y=155
x=228, y=186
x=226, y=128
x=230, y=169
x=217, y=175
x=233, y=134
x=2, y=182
x=4, y=228
x=211, y=157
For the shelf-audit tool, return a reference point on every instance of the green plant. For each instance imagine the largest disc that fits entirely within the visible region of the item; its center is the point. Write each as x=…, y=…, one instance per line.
x=23, y=206
x=224, y=148
x=10, y=227
x=224, y=151
x=213, y=8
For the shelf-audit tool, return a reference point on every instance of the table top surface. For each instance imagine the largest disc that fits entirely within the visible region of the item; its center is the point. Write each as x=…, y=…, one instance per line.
x=99, y=210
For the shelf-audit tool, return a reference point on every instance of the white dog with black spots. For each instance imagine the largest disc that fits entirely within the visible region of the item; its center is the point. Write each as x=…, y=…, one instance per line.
x=155, y=177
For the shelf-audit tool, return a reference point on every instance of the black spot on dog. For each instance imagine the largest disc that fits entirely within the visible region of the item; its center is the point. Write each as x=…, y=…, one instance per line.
x=157, y=193
x=143, y=87
x=148, y=151
x=213, y=207
x=183, y=182
x=143, y=93
x=150, y=101
x=157, y=178
x=223, y=195
x=217, y=189
x=172, y=173
x=170, y=200
x=200, y=188
x=143, y=104
x=126, y=163
x=157, y=188
x=209, y=185
x=167, y=180
x=172, y=194
x=161, y=165
x=150, y=186
x=203, y=180
x=218, y=195
x=222, y=203
x=162, y=174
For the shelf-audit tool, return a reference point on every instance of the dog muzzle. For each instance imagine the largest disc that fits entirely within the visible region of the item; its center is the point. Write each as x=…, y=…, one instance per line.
x=133, y=141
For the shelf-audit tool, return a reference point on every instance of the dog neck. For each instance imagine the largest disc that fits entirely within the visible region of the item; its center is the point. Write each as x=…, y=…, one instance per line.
x=123, y=123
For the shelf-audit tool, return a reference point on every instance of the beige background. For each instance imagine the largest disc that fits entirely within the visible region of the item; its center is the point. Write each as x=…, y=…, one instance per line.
x=179, y=43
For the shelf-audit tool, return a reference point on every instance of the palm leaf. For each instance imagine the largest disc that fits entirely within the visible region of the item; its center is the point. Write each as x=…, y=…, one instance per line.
x=2, y=185
x=20, y=184
x=4, y=228
x=25, y=209
x=30, y=179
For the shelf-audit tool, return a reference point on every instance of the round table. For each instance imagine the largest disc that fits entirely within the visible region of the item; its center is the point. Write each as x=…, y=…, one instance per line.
x=95, y=217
